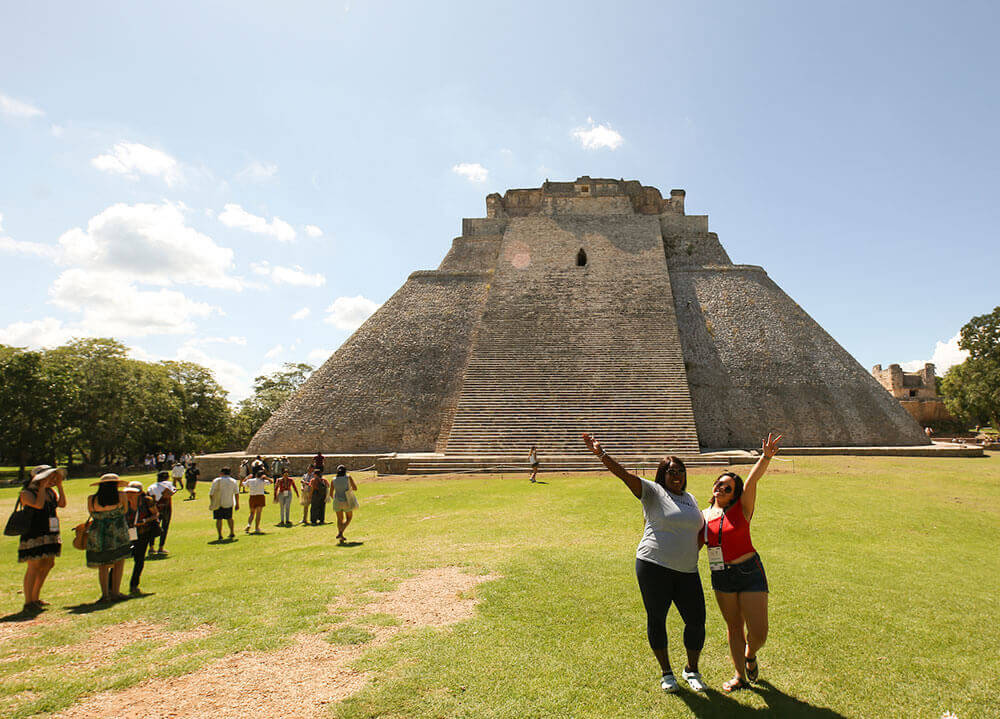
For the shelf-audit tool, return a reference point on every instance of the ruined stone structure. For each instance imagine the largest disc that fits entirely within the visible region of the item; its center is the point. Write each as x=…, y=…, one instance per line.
x=916, y=391
x=593, y=305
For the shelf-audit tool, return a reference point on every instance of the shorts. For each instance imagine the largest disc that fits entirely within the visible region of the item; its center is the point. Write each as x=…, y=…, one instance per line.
x=258, y=501
x=747, y=576
x=223, y=513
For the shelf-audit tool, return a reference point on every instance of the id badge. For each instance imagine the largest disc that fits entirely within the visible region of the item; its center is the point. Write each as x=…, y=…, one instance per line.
x=133, y=534
x=715, y=561
x=54, y=525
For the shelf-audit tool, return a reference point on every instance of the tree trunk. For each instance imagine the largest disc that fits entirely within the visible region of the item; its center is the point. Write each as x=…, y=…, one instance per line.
x=23, y=464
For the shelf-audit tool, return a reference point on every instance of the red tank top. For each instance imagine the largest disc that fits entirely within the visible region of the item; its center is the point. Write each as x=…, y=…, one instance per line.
x=735, y=533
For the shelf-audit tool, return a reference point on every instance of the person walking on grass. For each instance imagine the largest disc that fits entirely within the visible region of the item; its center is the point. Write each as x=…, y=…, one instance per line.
x=666, y=561
x=257, y=486
x=177, y=474
x=305, y=497
x=143, y=524
x=162, y=491
x=320, y=490
x=39, y=546
x=533, y=461
x=737, y=573
x=108, y=543
x=191, y=476
x=224, y=497
x=344, y=501
x=283, y=488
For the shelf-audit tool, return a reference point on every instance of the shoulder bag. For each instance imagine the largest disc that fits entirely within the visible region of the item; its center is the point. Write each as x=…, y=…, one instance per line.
x=19, y=520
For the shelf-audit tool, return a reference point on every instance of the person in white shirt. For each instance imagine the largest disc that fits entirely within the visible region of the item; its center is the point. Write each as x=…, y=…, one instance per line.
x=162, y=491
x=257, y=486
x=224, y=497
x=177, y=474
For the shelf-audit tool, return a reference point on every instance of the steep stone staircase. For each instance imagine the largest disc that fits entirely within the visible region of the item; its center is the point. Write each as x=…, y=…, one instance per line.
x=576, y=352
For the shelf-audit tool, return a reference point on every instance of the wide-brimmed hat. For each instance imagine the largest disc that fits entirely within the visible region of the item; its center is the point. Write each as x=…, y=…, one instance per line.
x=45, y=470
x=133, y=486
x=109, y=477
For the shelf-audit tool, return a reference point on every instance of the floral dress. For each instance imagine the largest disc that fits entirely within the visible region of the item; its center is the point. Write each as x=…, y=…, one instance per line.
x=107, y=540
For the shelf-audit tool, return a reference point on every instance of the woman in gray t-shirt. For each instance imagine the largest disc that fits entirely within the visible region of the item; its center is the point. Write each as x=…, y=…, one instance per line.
x=666, y=561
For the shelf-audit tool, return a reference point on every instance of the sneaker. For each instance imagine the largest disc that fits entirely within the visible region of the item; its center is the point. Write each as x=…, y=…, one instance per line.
x=694, y=680
x=668, y=683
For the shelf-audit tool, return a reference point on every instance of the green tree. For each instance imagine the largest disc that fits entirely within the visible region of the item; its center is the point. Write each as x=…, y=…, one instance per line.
x=269, y=393
x=971, y=390
x=204, y=405
x=33, y=400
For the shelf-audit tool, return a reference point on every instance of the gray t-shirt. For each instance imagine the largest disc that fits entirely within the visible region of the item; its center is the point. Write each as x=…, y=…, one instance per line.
x=340, y=486
x=670, y=538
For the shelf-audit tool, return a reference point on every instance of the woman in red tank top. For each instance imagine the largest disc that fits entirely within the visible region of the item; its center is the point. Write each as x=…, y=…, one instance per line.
x=737, y=573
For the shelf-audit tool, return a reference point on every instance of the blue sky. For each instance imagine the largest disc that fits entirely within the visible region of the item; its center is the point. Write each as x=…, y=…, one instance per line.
x=241, y=183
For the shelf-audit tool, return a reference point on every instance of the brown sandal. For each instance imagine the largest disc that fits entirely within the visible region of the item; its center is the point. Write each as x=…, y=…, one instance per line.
x=735, y=684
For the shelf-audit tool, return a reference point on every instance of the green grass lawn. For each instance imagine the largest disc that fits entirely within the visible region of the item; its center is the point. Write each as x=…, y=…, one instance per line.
x=883, y=572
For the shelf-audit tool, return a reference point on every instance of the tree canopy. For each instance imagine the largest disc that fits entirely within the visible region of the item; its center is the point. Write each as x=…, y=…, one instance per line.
x=971, y=390
x=90, y=400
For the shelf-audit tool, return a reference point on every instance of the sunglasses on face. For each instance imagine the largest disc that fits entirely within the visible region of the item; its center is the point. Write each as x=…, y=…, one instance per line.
x=723, y=489
x=675, y=471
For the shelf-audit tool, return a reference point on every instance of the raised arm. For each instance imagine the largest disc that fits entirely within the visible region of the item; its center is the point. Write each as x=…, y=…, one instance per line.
x=631, y=481
x=768, y=448
x=354, y=487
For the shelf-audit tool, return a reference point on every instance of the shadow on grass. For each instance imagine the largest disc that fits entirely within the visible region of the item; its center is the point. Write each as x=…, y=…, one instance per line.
x=227, y=540
x=717, y=704
x=25, y=615
x=348, y=544
x=99, y=605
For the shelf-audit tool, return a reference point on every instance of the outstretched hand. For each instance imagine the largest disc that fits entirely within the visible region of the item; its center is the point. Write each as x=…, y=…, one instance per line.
x=592, y=444
x=769, y=447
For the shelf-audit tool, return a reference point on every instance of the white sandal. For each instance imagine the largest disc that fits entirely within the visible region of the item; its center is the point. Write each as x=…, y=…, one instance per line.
x=694, y=681
x=668, y=683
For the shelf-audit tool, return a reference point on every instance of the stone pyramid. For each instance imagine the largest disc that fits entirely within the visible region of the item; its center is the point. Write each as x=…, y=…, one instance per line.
x=595, y=305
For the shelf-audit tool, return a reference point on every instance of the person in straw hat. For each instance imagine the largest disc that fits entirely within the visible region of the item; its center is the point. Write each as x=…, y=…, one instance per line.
x=41, y=544
x=108, y=544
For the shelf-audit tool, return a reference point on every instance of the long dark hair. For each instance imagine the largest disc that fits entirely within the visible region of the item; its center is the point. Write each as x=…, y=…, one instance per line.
x=107, y=494
x=737, y=489
x=664, y=465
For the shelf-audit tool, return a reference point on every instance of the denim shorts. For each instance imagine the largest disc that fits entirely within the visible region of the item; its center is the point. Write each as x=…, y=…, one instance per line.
x=747, y=576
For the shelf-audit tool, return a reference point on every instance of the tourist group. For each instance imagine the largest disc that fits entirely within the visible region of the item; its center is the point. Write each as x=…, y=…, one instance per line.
x=127, y=519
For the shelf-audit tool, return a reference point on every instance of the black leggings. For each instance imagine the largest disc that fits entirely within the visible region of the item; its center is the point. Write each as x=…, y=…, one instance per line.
x=661, y=586
x=139, y=549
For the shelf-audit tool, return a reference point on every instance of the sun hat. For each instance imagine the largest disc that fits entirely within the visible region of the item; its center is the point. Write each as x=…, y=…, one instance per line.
x=44, y=470
x=109, y=477
x=133, y=486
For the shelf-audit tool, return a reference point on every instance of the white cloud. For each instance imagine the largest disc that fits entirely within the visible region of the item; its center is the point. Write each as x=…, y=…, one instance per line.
x=231, y=340
x=318, y=356
x=14, y=247
x=58, y=130
x=37, y=334
x=301, y=314
x=18, y=108
x=133, y=159
x=471, y=171
x=235, y=216
x=152, y=244
x=287, y=275
x=598, y=137
x=258, y=171
x=232, y=376
x=313, y=231
x=349, y=313
x=946, y=355
x=109, y=304
x=274, y=351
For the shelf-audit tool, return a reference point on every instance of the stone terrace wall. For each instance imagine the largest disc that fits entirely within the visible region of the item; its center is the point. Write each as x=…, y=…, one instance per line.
x=388, y=387
x=756, y=362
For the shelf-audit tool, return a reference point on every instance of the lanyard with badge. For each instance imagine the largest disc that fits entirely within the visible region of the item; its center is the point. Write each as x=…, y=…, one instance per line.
x=715, y=561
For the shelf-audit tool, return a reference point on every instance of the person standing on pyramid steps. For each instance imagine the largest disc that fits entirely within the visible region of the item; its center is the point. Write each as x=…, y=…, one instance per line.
x=666, y=561
x=737, y=573
x=533, y=461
